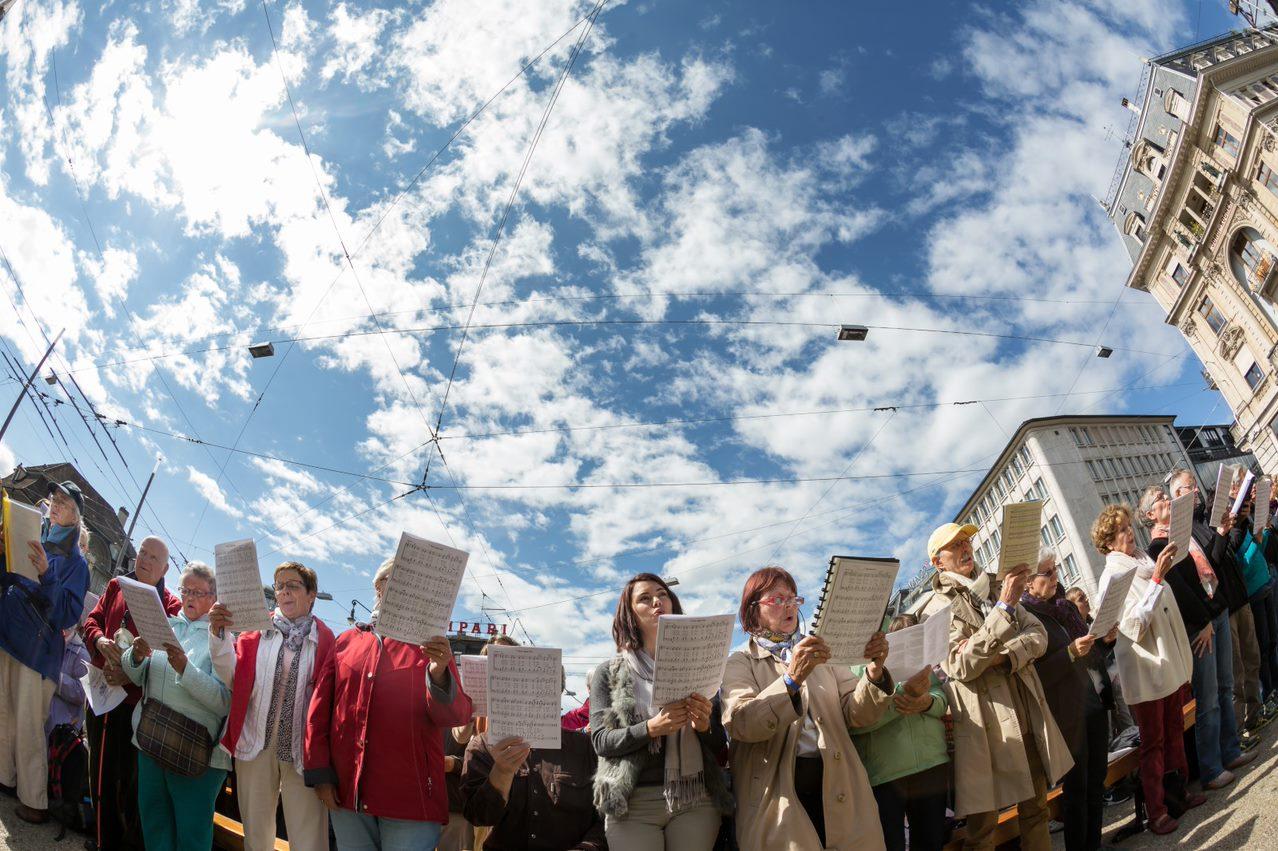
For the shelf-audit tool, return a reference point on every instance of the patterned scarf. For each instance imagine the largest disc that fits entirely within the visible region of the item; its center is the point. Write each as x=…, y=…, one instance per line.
x=1059, y=609
x=282, y=702
x=685, y=778
x=780, y=646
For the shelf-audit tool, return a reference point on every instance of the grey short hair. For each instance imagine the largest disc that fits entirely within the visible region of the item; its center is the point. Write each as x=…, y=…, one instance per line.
x=159, y=541
x=1176, y=473
x=384, y=571
x=1152, y=494
x=200, y=570
x=1044, y=553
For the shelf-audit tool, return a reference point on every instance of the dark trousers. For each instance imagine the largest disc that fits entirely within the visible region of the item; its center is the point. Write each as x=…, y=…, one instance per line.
x=113, y=779
x=1262, y=608
x=921, y=798
x=1084, y=785
x=809, y=773
x=1162, y=747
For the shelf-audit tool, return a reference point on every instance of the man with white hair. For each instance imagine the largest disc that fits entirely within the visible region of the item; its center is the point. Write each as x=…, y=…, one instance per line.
x=1008, y=749
x=113, y=760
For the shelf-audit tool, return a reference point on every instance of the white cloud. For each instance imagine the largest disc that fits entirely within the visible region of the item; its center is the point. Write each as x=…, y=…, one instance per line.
x=458, y=53
x=111, y=275
x=355, y=36
x=209, y=489
x=29, y=35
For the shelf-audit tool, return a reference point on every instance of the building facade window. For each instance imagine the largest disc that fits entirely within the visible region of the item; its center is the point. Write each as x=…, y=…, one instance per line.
x=1214, y=317
x=1071, y=569
x=1267, y=177
x=1058, y=530
x=1227, y=142
x=1254, y=376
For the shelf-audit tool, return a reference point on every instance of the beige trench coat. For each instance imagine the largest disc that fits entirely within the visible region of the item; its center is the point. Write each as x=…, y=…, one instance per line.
x=991, y=770
x=764, y=728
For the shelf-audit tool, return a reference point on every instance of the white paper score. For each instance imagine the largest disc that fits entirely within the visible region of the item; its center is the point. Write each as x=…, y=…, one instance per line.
x=239, y=585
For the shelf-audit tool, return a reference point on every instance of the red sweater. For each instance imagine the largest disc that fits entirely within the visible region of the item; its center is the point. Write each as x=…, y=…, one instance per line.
x=109, y=615
x=374, y=729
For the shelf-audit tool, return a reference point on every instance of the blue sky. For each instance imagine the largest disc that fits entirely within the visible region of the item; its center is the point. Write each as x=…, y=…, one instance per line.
x=762, y=173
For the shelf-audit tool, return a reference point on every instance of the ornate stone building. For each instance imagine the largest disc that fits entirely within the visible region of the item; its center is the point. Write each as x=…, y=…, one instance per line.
x=1196, y=205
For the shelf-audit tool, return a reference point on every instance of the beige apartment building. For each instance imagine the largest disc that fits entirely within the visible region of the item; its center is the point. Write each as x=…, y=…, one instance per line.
x=1195, y=200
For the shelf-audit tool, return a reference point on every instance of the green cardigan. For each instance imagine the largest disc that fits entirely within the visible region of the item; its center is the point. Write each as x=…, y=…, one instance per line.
x=900, y=745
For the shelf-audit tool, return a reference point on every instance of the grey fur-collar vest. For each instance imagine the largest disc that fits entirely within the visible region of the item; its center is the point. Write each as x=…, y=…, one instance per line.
x=616, y=777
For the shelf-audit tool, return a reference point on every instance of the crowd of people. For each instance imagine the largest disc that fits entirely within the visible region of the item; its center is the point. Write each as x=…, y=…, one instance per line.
x=366, y=742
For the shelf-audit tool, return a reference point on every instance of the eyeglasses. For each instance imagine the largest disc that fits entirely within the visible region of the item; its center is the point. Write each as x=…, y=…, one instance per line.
x=294, y=586
x=1049, y=572
x=780, y=602
x=197, y=595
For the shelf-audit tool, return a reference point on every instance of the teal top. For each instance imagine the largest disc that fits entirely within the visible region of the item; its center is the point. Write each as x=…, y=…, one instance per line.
x=197, y=693
x=1251, y=556
x=900, y=745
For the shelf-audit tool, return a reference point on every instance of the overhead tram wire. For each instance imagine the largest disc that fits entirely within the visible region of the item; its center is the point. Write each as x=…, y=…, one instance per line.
x=17, y=281
x=250, y=335
x=115, y=422
x=558, y=323
x=505, y=216
x=402, y=193
x=830, y=487
x=479, y=287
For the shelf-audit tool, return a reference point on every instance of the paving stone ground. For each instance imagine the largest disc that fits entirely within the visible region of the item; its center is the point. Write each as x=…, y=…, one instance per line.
x=1245, y=815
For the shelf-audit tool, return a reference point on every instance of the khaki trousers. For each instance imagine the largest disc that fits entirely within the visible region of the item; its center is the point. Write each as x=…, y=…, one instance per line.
x=260, y=782
x=24, y=752
x=1031, y=815
x=1242, y=629
x=648, y=826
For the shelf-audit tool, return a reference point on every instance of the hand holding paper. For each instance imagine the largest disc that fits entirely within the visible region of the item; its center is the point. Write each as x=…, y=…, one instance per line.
x=1019, y=534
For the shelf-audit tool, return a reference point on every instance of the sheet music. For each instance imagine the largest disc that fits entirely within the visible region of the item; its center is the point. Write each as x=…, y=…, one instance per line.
x=239, y=585
x=1111, y=600
x=474, y=677
x=1242, y=492
x=1181, y=530
x=1220, y=499
x=1260, y=514
x=422, y=590
x=144, y=606
x=856, y=594
x=21, y=527
x=524, y=684
x=1019, y=533
x=924, y=645
x=692, y=651
x=101, y=695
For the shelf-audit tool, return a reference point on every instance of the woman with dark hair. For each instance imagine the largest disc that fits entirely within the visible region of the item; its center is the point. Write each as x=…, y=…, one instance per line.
x=657, y=783
x=789, y=716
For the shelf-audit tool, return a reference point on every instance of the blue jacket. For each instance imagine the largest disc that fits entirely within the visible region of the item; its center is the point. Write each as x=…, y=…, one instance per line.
x=33, y=614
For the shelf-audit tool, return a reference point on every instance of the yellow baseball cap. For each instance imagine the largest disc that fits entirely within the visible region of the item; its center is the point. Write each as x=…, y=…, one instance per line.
x=946, y=535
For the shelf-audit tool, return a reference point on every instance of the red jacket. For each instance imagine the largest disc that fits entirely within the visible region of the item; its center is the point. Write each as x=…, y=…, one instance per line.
x=246, y=644
x=110, y=614
x=375, y=730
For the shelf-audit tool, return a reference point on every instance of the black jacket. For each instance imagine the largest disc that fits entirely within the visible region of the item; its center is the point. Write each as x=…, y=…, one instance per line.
x=1196, y=608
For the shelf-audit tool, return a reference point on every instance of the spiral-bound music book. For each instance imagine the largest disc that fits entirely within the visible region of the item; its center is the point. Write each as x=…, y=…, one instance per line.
x=853, y=599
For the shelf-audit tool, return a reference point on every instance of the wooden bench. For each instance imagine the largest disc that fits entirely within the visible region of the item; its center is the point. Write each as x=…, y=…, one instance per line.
x=1120, y=768
x=228, y=834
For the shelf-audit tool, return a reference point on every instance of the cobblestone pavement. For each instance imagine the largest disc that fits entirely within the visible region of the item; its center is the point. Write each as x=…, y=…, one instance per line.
x=1245, y=815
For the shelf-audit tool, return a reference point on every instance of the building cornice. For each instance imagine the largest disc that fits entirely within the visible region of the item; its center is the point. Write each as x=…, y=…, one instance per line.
x=1030, y=425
